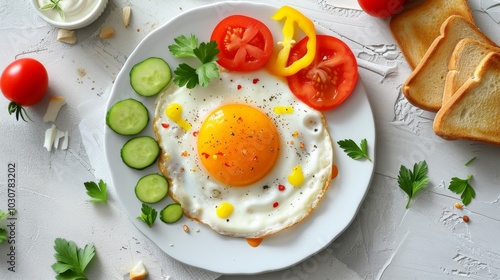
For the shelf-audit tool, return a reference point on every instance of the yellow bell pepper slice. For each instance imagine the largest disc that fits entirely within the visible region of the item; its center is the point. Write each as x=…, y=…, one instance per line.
x=278, y=62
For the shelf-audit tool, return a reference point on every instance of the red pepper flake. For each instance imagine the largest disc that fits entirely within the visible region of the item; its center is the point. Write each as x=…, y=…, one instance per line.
x=195, y=133
x=276, y=204
x=239, y=87
x=205, y=155
x=255, y=158
x=220, y=154
x=281, y=187
x=255, y=81
x=165, y=125
x=466, y=219
x=226, y=164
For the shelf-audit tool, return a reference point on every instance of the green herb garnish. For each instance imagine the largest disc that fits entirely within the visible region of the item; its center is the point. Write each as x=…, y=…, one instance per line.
x=71, y=260
x=97, y=192
x=148, y=214
x=353, y=150
x=411, y=181
x=54, y=5
x=470, y=161
x=206, y=53
x=3, y=232
x=463, y=187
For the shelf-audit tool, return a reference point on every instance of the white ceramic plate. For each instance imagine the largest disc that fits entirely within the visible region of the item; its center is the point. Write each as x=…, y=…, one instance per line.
x=202, y=247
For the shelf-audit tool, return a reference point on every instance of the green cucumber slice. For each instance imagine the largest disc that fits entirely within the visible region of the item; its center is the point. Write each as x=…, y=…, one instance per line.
x=171, y=213
x=150, y=76
x=140, y=152
x=127, y=117
x=151, y=188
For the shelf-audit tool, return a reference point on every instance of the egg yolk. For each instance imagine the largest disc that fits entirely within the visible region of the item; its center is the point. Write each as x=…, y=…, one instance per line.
x=238, y=144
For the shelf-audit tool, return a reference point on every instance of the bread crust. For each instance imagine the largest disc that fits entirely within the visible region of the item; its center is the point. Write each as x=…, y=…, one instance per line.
x=425, y=86
x=416, y=27
x=473, y=112
x=463, y=63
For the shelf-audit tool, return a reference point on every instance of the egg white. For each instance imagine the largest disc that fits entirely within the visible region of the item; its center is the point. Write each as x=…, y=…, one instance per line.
x=255, y=214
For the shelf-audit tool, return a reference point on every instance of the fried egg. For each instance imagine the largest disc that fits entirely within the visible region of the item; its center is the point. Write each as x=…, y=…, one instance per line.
x=243, y=155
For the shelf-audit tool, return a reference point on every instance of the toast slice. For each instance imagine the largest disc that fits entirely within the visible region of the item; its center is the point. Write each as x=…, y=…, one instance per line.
x=473, y=112
x=463, y=63
x=416, y=27
x=425, y=86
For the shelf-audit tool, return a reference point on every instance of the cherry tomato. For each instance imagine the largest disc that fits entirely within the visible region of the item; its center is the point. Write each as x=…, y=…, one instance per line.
x=24, y=81
x=330, y=78
x=381, y=8
x=245, y=43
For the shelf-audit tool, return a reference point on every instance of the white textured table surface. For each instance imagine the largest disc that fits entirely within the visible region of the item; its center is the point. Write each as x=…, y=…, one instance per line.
x=385, y=241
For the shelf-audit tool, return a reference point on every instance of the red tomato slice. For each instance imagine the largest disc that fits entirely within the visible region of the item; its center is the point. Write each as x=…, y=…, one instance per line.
x=245, y=43
x=329, y=79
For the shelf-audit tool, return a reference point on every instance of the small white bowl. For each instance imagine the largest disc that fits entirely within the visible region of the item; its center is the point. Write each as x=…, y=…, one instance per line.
x=82, y=20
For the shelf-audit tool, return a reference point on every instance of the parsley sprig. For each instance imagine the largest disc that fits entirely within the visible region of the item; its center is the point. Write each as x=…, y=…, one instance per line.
x=71, y=260
x=97, y=192
x=463, y=187
x=148, y=215
x=3, y=232
x=353, y=150
x=206, y=53
x=411, y=181
x=54, y=5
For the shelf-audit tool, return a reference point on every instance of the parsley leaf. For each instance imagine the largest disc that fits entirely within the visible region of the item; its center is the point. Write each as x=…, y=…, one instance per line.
x=462, y=186
x=184, y=46
x=148, y=214
x=3, y=232
x=98, y=192
x=3, y=235
x=3, y=214
x=353, y=150
x=206, y=53
x=185, y=75
x=206, y=73
x=71, y=260
x=413, y=181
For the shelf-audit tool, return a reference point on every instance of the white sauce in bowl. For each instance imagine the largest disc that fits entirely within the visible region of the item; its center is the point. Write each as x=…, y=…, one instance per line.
x=74, y=10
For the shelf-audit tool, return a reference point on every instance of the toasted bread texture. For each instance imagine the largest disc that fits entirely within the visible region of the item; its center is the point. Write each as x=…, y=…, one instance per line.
x=473, y=112
x=416, y=27
x=425, y=86
x=463, y=63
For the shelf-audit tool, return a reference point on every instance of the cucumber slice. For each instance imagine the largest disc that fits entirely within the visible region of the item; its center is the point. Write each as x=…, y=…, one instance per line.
x=127, y=117
x=140, y=152
x=150, y=76
x=171, y=213
x=151, y=188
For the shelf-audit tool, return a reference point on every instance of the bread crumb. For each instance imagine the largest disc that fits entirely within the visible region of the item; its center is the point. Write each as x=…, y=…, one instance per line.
x=66, y=36
x=138, y=272
x=106, y=32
